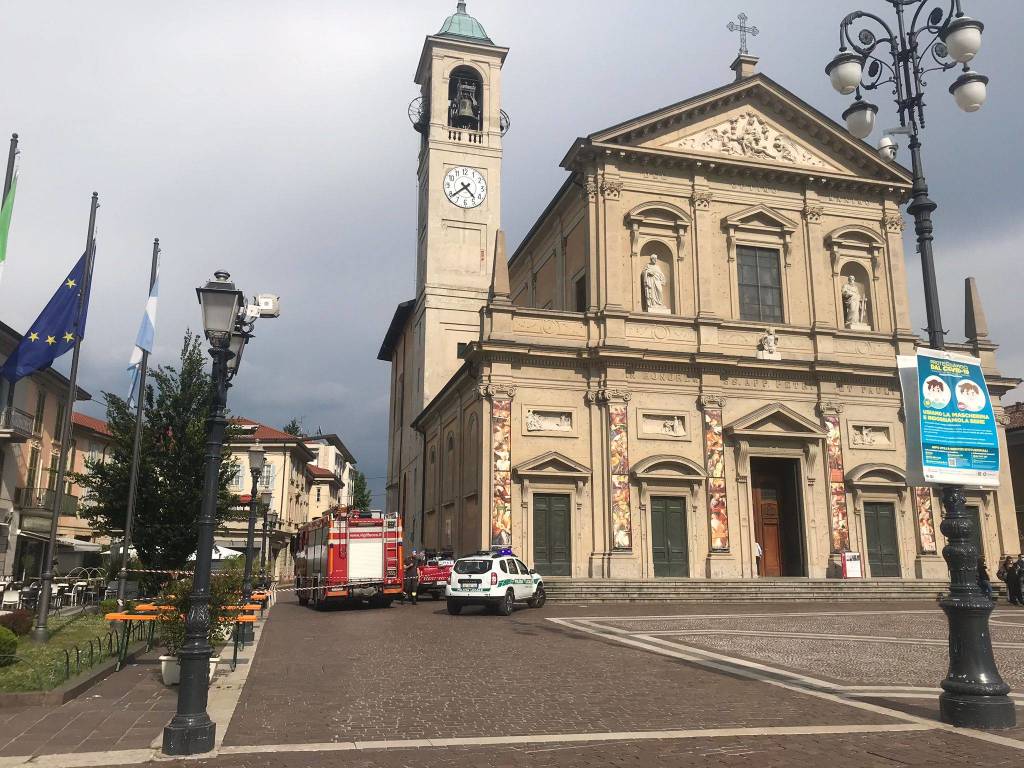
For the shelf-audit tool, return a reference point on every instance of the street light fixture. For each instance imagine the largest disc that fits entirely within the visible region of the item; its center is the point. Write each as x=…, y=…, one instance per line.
x=227, y=323
x=974, y=695
x=256, y=460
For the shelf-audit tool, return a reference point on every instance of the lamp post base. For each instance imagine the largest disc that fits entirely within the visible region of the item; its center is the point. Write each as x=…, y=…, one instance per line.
x=189, y=735
x=983, y=712
x=39, y=635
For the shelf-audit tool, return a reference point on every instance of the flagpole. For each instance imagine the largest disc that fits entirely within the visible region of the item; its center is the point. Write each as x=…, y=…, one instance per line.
x=12, y=154
x=40, y=634
x=133, y=481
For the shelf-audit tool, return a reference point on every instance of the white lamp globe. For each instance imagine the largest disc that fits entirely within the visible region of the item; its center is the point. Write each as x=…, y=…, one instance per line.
x=887, y=148
x=962, y=37
x=845, y=71
x=860, y=118
x=970, y=91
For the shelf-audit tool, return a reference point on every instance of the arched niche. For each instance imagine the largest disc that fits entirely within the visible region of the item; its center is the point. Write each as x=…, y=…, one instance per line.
x=849, y=316
x=466, y=98
x=656, y=278
x=854, y=241
x=664, y=223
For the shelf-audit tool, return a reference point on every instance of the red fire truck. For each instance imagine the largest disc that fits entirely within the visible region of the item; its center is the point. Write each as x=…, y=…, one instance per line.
x=349, y=555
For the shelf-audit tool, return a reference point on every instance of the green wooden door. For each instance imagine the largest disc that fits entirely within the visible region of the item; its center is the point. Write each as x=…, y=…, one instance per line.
x=883, y=544
x=668, y=536
x=552, y=554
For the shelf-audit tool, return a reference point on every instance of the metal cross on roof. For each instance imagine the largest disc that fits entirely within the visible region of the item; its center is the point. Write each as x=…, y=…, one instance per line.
x=742, y=28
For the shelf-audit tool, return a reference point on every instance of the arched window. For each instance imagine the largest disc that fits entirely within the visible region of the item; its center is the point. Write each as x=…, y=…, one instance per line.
x=465, y=99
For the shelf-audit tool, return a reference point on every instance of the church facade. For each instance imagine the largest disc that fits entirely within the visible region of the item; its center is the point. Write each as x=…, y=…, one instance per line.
x=687, y=367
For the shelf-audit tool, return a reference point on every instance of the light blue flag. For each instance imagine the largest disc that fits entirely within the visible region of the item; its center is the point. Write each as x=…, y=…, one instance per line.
x=144, y=341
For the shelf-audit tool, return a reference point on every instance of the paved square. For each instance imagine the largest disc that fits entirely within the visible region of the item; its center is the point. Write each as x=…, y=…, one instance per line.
x=627, y=685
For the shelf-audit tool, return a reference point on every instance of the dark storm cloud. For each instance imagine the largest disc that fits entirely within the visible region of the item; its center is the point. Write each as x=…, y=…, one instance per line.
x=271, y=139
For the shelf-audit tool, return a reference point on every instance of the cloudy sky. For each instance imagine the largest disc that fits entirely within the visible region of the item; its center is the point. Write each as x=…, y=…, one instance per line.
x=271, y=139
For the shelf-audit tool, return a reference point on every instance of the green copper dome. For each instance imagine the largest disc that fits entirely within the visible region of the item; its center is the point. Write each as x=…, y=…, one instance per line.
x=461, y=24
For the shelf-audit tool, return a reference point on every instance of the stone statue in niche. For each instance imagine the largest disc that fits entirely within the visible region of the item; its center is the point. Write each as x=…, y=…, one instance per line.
x=855, y=305
x=653, y=283
x=768, y=346
x=540, y=421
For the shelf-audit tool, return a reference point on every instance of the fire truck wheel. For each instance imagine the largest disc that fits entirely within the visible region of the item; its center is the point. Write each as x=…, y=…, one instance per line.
x=454, y=607
x=507, y=604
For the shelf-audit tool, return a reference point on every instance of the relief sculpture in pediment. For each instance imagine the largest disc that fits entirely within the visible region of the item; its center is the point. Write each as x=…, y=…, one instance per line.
x=747, y=135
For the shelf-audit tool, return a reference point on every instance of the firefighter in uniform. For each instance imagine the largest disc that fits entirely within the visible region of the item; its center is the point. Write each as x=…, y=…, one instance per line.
x=412, y=578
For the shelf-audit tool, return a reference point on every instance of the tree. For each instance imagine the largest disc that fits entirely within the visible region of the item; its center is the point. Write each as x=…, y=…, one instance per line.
x=294, y=427
x=171, y=464
x=361, y=496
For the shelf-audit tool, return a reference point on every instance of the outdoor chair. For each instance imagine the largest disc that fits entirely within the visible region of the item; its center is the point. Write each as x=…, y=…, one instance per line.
x=12, y=597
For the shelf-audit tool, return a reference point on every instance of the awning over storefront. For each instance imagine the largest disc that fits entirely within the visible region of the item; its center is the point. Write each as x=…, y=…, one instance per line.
x=78, y=546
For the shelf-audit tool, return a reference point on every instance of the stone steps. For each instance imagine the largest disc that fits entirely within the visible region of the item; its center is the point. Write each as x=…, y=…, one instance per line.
x=566, y=589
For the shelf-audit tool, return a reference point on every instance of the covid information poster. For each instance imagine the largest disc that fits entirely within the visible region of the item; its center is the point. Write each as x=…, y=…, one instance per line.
x=952, y=435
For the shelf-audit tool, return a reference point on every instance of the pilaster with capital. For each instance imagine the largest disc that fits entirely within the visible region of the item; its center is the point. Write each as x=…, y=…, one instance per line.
x=822, y=293
x=704, y=251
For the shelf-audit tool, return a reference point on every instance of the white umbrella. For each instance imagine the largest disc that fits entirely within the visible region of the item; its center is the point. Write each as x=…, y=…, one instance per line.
x=221, y=553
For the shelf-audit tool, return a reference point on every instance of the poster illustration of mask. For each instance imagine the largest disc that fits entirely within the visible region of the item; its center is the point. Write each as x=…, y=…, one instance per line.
x=618, y=449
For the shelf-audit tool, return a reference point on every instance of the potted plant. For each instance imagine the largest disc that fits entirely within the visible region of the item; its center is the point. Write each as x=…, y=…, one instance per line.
x=225, y=590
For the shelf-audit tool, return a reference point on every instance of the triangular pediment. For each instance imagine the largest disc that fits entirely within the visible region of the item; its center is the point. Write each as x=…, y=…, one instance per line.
x=776, y=420
x=551, y=464
x=754, y=121
x=760, y=217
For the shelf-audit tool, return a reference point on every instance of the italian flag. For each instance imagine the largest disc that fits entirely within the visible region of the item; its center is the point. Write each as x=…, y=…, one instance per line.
x=5, y=222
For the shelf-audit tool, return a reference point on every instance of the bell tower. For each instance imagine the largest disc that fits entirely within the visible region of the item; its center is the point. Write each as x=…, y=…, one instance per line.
x=461, y=124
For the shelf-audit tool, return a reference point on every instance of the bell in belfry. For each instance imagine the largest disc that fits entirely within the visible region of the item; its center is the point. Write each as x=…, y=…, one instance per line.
x=466, y=114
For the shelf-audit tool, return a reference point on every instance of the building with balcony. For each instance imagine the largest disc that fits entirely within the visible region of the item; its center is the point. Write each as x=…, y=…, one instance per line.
x=283, y=486
x=332, y=455
x=30, y=414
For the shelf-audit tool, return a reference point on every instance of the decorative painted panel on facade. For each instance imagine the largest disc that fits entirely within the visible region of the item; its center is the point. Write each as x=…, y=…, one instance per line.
x=837, y=485
x=618, y=449
x=925, y=520
x=501, y=472
x=714, y=461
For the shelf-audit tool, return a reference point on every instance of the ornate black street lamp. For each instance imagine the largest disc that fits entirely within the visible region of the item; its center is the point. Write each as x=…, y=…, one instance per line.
x=974, y=695
x=228, y=322
x=256, y=459
x=191, y=731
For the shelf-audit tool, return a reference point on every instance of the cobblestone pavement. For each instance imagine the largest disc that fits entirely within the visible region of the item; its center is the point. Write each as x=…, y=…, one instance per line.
x=124, y=711
x=629, y=685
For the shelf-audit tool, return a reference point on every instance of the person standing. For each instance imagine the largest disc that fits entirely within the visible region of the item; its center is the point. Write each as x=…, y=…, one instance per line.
x=983, y=578
x=1007, y=574
x=412, y=578
x=1018, y=577
x=758, y=556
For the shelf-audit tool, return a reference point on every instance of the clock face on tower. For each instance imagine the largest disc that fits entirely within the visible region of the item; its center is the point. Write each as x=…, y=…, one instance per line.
x=465, y=187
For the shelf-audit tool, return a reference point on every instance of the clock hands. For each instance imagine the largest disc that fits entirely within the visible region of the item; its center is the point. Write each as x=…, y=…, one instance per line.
x=465, y=188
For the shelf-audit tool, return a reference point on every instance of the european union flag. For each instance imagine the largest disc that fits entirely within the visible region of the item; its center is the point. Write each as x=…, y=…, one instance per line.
x=56, y=329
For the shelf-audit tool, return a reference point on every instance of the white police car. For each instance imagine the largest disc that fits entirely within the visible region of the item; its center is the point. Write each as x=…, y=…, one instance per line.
x=497, y=579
